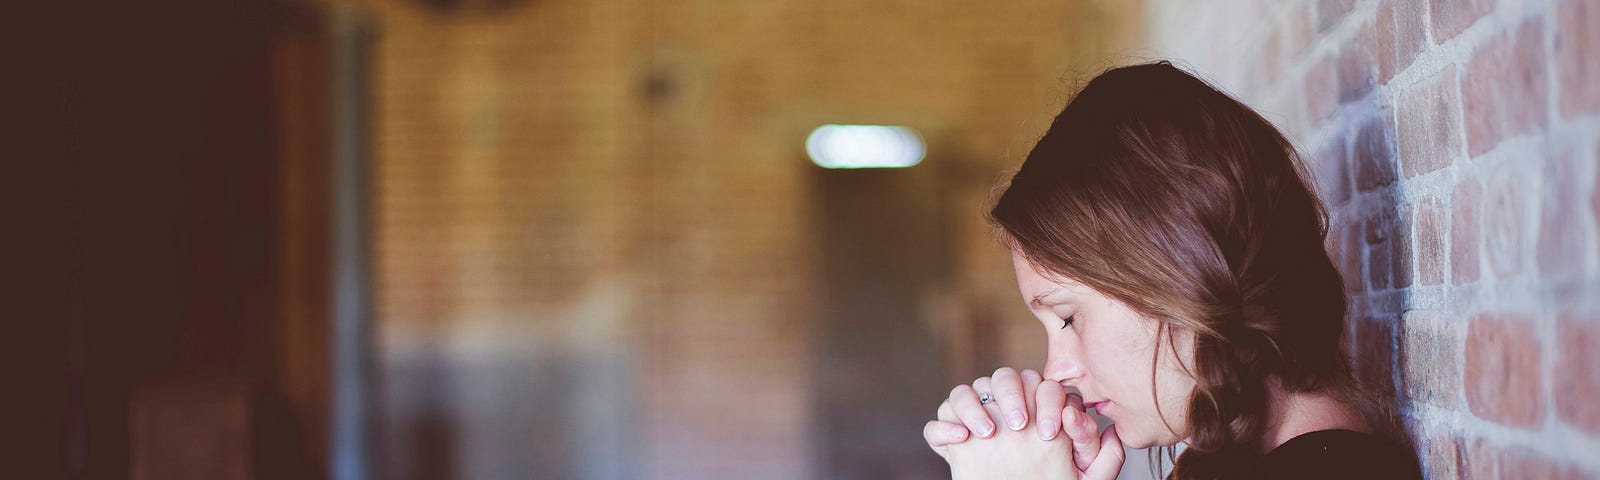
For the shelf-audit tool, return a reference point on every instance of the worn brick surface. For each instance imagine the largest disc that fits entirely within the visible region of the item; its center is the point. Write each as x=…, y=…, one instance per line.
x=1577, y=38
x=1430, y=241
x=1430, y=357
x=1482, y=187
x=1466, y=231
x=1505, y=88
x=1373, y=152
x=1429, y=122
x=1502, y=375
x=1484, y=459
x=1401, y=35
x=1507, y=220
x=1562, y=235
x=1577, y=372
x=1450, y=17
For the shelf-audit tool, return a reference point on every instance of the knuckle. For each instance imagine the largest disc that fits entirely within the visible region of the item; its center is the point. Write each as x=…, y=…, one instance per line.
x=974, y=418
x=1086, y=427
x=960, y=390
x=1115, y=455
x=1006, y=371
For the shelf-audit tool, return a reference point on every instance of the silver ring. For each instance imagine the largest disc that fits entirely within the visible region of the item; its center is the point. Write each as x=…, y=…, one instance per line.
x=984, y=398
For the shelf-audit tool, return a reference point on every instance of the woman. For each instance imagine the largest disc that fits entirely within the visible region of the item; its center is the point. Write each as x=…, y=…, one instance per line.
x=1166, y=238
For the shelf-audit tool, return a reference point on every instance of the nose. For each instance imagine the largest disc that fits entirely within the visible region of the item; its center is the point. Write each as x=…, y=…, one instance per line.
x=1062, y=365
x=1068, y=377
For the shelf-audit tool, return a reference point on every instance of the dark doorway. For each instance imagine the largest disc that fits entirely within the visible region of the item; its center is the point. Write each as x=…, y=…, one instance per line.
x=882, y=246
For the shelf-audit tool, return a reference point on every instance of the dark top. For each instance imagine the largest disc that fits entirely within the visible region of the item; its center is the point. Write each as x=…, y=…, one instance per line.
x=1339, y=454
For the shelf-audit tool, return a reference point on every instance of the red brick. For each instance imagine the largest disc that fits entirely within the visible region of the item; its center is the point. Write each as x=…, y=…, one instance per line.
x=1358, y=66
x=1329, y=12
x=1388, y=255
x=1333, y=176
x=1577, y=38
x=1465, y=231
x=1503, y=89
x=1373, y=153
x=1400, y=260
x=1430, y=241
x=1429, y=356
x=1562, y=246
x=1430, y=124
x=1502, y=377
x=1578, y=370
x=1373, y=355
x=1451, y=17
x=1376, y=232
x=1321, y=91
x=1444, y=458
x=1400, y=35
x=1506, y=221
x=1481, y=459
x=1350, y=258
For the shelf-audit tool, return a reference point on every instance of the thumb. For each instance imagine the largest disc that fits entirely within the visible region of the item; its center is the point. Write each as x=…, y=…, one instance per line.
x=1108, y=463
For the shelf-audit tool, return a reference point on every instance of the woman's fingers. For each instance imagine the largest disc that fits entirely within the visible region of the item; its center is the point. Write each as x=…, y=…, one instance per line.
x=982, y=384
x=964, y=399
x=1082, y=430
x=939, y=434
x=1051, y=399
x=1108, y=464
x=1007, y=386
x=947, y=413
x=1075, y=400
x=1030, y=387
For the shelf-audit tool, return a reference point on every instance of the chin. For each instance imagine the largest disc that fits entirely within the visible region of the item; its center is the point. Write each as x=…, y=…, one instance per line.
x=1141, y=440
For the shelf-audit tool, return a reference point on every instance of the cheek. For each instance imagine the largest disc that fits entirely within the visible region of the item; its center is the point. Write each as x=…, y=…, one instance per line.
x=1122, y=357
x=1174, y=387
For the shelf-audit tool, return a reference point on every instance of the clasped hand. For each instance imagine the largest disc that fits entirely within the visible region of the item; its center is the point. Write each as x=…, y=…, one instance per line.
x=993, y=441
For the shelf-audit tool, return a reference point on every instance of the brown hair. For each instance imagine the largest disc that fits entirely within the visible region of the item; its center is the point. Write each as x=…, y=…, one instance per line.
x=1168, y=195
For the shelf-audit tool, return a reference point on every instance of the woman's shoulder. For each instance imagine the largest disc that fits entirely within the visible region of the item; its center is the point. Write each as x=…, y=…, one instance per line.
x=1339, y=454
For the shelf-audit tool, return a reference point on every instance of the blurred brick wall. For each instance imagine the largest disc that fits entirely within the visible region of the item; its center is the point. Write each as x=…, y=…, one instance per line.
x=592, y=226
x=1456, y=142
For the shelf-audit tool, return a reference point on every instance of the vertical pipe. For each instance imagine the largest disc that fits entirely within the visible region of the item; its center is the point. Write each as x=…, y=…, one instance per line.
x=352, y=295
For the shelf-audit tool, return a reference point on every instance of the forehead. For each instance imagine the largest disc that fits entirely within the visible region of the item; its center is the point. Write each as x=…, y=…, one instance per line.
x=1034, y=284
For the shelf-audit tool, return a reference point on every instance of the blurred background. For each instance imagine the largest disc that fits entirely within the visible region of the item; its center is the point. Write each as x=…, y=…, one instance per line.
x=585, y=238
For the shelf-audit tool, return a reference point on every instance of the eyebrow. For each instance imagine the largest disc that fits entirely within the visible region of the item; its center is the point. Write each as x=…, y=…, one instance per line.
x=1042, y=295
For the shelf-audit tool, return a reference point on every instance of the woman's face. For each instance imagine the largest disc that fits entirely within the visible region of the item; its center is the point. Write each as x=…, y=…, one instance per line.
x=1108, y=353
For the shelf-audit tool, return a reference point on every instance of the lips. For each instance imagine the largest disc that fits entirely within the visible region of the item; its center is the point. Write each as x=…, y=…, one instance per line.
x=1097, y=406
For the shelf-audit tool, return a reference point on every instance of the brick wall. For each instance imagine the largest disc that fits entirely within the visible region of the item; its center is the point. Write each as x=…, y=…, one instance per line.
x=1456, y=142
x=593, y=242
